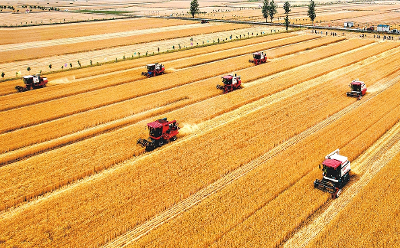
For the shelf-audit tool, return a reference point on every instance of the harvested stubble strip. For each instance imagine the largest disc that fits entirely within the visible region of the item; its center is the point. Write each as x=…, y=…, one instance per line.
x=17, y=118
x=70, y=87
x=8, y=87
x=159, y=176
x=42, y=33
x=276, y=220
x=371, y=219
x=34, y=53
x=163, y=101
x=250, y=194
x=126, y=138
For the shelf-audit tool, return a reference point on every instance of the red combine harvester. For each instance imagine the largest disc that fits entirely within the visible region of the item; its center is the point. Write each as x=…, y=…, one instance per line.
x=161, y=132
x=154, y=70
x=358, y=89
x=336, y=173
x=230, y=83
x=204, y=21
x=32, y=82
x=259, y=58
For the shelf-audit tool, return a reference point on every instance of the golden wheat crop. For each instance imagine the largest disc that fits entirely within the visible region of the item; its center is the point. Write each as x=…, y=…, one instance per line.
x=68, y=87
x=136, y=176
x=41, y=33
x=34, y=53
x=250, y=196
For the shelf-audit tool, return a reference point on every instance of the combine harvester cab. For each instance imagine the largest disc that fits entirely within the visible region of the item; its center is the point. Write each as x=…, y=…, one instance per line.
x=231, y=83
x=154, y=70
x=259, y=58
x=336, y=174
x=161, y=132
x=358, y=89
x=32, y=82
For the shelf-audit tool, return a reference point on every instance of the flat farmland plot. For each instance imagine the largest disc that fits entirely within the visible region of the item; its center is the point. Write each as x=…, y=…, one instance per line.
x=241, y=171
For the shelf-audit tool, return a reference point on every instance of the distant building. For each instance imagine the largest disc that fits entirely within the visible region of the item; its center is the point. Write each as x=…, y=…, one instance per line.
x=383, y=28
x=348, y=24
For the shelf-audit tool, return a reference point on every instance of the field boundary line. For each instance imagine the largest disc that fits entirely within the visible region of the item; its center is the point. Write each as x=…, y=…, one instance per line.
x=74, y=40
x=202, y=194
x=380, y=154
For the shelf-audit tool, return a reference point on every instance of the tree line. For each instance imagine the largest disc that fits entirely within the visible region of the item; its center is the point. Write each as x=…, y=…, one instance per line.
x=269, y=9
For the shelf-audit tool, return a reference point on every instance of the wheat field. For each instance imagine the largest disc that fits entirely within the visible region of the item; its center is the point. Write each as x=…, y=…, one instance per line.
x=240, y=173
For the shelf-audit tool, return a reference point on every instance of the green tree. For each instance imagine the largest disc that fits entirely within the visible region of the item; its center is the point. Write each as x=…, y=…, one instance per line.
x=286, y=7
x=272, y=9
x=29, y=68
x=194, y=7
x=50, y=66
x=265, y=10
x=2, y=74
x=311, y=11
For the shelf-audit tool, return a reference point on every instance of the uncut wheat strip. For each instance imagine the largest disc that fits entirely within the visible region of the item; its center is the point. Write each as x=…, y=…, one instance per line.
x=67, y=87
x=35, y=53
x=9, y=141
x=110, y=54
x=195, y=226
x=387, y=152
x=43, y=33
x=290, y=41
x=92, y=38
x=42, y=147
x=8, y=86
x=189, y=202
x=102, y=97
x=52, y=167
x=267, y=227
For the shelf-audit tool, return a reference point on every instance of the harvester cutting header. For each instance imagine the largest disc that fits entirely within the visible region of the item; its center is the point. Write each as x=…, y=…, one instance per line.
x=230, y=83
x=161, y=132
x=358, y=89
x=154, y=70
x=336, y=173
x=32, y=82
x=259, y=58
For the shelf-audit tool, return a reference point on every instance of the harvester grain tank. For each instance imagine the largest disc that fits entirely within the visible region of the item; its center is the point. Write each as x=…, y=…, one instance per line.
x=154, y=70
x=32, y=82
x=259, y=58
x=358, y=89
x=231, y=82
x=336, y=174
x=161, y=132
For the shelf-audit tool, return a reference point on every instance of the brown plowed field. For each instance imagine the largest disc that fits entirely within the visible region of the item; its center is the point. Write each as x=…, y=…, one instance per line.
x=240, y=173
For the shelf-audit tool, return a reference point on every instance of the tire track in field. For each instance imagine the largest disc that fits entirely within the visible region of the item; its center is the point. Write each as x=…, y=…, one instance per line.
x=65, y=139
x=199, y=196
x=372, y=161
x=109, y=54
x=133, y=74
x=101, y=97
x=66, y=41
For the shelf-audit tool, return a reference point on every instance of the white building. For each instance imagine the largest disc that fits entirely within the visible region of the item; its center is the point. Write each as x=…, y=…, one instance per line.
x=348, y=24
x=383, y=28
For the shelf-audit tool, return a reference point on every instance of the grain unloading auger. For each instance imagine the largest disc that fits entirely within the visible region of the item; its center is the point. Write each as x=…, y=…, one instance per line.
x=336, y=173
x=32, y=82
x=154, y=70
x=258, y=58
x=161, y=132
x=358, y=89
